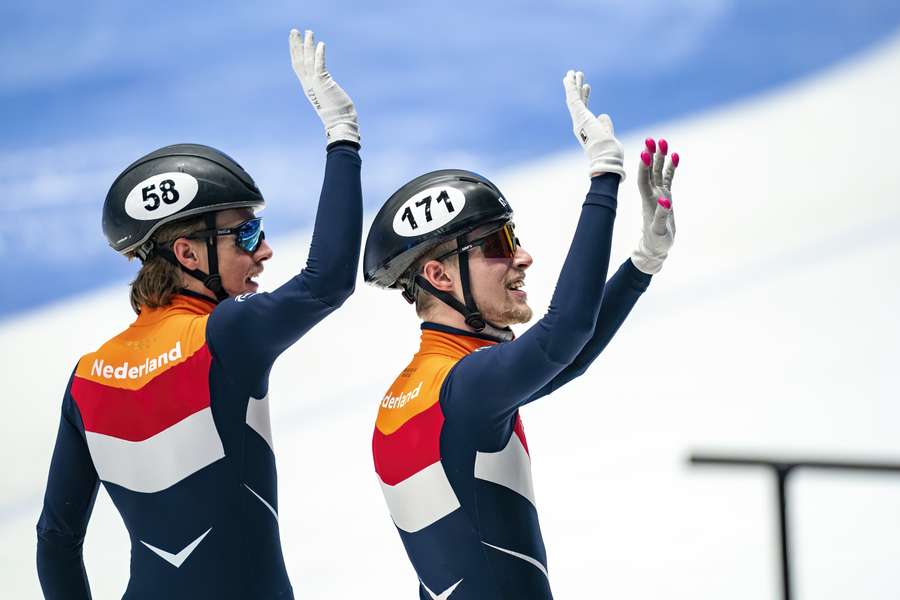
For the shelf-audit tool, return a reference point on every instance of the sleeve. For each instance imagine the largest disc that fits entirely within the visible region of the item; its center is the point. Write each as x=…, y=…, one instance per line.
x=247, y=333
x=621, y=294
x=71, y=490
x=505, y=376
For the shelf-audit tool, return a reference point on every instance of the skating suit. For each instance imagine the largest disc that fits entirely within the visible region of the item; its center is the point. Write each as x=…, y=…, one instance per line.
x=449, y=446
x=172, y=415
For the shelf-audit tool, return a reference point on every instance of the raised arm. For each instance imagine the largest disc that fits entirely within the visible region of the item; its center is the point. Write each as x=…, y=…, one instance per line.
x=504, y=376
x=633, y=277
x=68, y=502
x=250, y=331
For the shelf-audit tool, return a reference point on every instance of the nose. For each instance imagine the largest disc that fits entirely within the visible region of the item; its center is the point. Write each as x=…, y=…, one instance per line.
x=264, y=252
x=522, y=260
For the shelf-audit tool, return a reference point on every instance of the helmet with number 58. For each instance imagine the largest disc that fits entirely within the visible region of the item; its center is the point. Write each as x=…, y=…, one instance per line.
x=169, y=184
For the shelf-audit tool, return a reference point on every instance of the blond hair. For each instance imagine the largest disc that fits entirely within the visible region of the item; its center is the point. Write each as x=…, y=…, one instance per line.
x=159, y=280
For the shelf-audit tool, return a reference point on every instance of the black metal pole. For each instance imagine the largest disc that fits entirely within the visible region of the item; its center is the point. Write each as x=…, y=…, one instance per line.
x=781, y=476
x=782, y=469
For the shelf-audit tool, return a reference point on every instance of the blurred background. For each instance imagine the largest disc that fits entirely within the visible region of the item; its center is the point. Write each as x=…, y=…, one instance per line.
x=772, y=328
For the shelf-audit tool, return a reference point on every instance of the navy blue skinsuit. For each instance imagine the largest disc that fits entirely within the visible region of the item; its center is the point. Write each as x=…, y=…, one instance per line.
x=466, y=514
x=172, y=416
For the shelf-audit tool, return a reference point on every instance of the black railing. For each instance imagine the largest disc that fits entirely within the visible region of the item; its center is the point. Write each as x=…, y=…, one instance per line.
x=782, y=468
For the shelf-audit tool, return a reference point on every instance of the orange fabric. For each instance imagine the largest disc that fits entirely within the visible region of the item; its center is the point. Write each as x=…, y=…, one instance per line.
x=419, y=385
x=158, y=340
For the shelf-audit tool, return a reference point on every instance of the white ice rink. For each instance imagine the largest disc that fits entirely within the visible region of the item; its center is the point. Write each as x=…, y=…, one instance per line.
x=773, y=327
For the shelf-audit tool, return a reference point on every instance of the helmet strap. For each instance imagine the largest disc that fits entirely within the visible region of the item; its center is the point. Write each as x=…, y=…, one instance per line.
x=445, y=297
x=469, y=309
x=212, y=280
x=472, y=314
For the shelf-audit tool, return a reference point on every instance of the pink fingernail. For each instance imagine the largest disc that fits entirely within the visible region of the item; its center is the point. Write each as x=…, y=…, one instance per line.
x=651, y=145
x=675, y=159
x=664, y=147
x=645, y=156
x=665, y=203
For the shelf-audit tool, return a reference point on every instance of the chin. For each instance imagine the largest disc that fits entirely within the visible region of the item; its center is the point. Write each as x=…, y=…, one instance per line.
x=512, y=316
x=523, y=316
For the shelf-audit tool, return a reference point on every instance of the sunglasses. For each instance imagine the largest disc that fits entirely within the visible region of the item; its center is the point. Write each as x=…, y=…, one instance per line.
x=501, y=243
x=248, y=235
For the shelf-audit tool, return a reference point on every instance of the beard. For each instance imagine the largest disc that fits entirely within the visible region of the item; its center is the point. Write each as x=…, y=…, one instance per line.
x=509, y=314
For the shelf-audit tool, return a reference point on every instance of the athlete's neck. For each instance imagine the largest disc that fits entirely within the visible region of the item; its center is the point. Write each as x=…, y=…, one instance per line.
x=193, y=285
x=488, y=333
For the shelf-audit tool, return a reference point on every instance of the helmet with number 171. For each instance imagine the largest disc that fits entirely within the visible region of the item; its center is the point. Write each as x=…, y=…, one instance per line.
x=430, y=210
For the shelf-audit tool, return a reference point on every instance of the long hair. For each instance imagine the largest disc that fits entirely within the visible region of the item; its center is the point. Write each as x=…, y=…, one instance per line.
x=159, y=280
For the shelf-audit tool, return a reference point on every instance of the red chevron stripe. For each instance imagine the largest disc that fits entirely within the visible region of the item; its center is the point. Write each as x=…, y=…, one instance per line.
x=136, y=415
x=520, y=431
x=409, y=449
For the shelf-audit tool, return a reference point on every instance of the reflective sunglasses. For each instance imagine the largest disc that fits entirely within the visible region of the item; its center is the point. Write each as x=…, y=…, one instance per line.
x=500, y=243
x=248, y=235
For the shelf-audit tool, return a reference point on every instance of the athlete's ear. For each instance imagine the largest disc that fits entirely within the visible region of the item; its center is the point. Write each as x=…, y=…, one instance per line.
x=188, y=253
x=439, y=275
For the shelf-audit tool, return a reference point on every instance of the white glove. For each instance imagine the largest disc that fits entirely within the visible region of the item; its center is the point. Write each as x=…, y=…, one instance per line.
x=332, y=103
x=595, y=133
x=656, y=195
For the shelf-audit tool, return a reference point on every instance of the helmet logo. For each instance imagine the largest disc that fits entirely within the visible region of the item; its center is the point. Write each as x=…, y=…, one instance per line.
x=160, y=196
x=428, y=210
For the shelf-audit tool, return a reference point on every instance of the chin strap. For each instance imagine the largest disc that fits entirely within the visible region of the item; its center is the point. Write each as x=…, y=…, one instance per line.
x=212, y=280
x=469, y=310
x=472, y=314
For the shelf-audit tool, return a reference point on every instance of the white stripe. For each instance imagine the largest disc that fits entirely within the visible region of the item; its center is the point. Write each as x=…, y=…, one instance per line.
x=443, y=595
x=420, y=500
x=160, y=461
x=176, y=560
x=261, y=499
x=511, y=468
x=524, y=557
x=258, y=418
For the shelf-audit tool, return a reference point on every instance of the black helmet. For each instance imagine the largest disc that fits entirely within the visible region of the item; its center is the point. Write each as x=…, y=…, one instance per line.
x=409, y=225
x=429, y=210
x=170, y=184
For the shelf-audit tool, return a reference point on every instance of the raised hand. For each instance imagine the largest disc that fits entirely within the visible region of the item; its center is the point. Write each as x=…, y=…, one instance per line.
x=655, y=185
x=595, y=134
x=331, y=102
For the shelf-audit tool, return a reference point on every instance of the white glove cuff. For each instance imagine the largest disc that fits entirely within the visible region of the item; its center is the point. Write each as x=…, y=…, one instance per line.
x=600, y=166
x=606, y=156
x=644, y=264
x=343, y=131
x=647, y=261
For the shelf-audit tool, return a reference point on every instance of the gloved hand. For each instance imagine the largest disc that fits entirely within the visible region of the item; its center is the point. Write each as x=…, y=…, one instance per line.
x=595, y=134
x=332, y=103
x=656, y=195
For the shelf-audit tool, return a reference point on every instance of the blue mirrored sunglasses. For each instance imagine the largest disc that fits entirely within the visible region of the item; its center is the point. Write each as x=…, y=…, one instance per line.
x=248, y=235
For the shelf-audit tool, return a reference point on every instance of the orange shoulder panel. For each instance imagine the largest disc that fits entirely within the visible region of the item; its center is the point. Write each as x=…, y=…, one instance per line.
x=136, y=356
x=416, y=390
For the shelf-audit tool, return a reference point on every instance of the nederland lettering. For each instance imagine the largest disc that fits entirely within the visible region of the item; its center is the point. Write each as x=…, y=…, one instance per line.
x=123, y=371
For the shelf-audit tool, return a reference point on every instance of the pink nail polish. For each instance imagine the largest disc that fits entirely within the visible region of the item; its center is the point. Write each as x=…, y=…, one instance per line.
x=675, y=159
x=645, y=156
x=664, y=147
x=665, y=203
x=651, y=145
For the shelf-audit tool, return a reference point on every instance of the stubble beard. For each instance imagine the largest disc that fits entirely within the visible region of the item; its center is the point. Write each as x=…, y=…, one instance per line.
x=511, y=315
